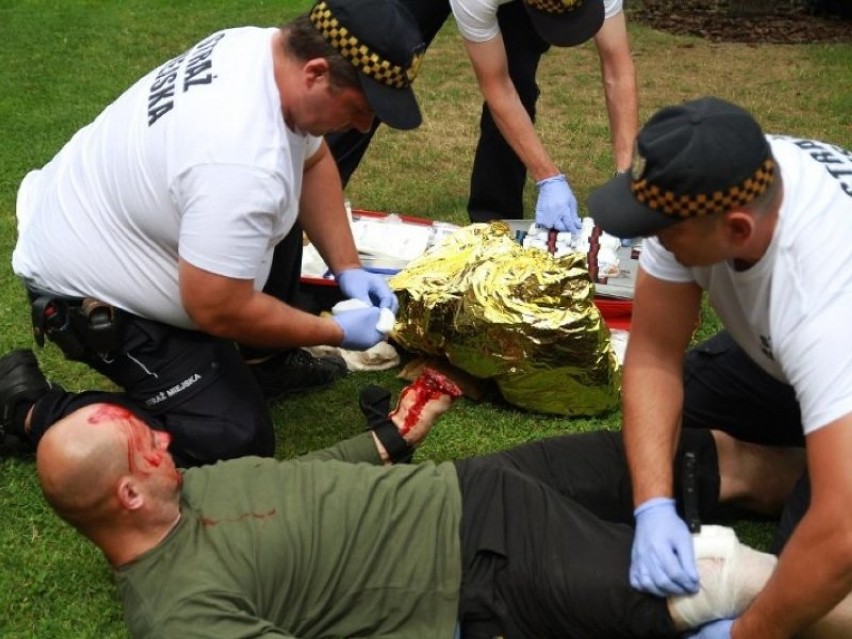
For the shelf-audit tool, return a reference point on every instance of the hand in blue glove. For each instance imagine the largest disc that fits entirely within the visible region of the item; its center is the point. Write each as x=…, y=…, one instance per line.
x=367, y=287
x=663, y=558
x=556, y=207
x=714, y=630
x=359, y=328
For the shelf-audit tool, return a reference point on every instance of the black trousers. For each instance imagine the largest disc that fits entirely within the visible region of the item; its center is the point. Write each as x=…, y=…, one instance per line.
x=194, y=386
x=725, y=390
x=498, y=176
x=567, y=574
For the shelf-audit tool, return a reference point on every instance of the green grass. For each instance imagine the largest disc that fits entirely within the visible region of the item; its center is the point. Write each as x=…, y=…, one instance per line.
x=62, y=62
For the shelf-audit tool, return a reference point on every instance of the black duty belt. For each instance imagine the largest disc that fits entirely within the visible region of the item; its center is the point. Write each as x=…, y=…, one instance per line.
x=75, y=324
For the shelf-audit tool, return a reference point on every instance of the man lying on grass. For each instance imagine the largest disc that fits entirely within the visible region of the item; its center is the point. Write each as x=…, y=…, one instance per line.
x=340, y=543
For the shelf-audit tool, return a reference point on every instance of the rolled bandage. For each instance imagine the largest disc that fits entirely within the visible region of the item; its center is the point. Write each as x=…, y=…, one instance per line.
x=386, y=319
x=730, y=574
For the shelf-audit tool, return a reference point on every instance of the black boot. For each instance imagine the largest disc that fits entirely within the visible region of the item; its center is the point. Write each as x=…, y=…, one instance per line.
x=21, y=385
x=296, y=371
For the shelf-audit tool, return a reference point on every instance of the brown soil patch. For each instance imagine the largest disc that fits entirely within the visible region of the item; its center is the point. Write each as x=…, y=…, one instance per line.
x=769, y=21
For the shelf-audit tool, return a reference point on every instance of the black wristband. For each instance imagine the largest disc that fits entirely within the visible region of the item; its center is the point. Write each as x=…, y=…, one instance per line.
x=375, y=404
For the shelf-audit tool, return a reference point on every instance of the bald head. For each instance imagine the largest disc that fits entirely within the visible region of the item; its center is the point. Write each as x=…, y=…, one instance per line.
x=80, y=459
x=110, y=476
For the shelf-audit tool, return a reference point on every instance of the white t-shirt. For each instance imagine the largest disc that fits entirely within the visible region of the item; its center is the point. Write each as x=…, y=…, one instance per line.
x=791, y=311
x=194, y=160
x=477, y=19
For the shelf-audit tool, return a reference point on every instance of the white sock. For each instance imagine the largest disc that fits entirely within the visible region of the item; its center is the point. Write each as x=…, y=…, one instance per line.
x=730, y=576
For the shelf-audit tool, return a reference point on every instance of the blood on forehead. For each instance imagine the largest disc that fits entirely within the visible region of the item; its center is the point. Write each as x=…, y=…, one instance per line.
x=109, y=413
x=142, y=453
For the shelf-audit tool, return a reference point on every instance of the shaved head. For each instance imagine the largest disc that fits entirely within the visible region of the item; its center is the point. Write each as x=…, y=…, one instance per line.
x=108, y=474
x=84, y=457
x=79, y=461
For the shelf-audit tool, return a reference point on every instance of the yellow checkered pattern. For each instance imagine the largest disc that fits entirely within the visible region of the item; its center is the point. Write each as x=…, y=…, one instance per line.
x=554, y=6
x=359, y=54
x=697, y=205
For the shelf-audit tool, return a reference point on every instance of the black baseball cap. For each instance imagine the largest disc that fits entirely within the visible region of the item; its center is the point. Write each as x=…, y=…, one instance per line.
x=565, y=23
x=702, y=157
x=381, y=39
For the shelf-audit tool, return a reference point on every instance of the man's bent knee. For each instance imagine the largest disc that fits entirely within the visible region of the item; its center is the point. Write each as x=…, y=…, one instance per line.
x=199, y=440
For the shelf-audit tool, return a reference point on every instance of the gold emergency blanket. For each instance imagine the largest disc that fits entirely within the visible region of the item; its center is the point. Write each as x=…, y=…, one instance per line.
x=517, y=316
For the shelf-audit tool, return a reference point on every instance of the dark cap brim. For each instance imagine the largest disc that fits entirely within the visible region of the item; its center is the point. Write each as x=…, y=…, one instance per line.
x=571, y=28
x=618, y=213
x=397, y=108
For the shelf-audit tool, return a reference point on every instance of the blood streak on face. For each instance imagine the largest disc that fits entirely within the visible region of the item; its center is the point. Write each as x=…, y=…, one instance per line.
x=429, y=386
x=146, y=448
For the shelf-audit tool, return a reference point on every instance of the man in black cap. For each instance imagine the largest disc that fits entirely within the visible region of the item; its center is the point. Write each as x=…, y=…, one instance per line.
x=505, y=40
x=145, y=244
x=763, y=223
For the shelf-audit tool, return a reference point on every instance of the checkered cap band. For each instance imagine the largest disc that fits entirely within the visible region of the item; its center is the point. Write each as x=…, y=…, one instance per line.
x=554, y=6
x=697, y=205
x=359, y=54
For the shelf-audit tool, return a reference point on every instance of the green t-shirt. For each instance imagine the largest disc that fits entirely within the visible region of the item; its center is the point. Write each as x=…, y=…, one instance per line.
x=314, y=547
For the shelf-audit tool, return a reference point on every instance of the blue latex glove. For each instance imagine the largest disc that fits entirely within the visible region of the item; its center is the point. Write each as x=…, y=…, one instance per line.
x=367, y=287
x=359, y=328
x=663, y=558
x=556, y=207
x=714, y=630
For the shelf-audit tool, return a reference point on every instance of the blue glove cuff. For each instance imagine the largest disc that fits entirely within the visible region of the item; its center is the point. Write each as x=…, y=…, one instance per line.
x=349, y=270
x=656, y=502
x=553, y=178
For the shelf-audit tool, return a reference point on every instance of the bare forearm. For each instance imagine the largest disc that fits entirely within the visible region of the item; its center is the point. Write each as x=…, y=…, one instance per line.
x=265, y=322
x=323, y=216
x=492, y=74
x=620, y=88
x=811, y=578
x=814, y=572
x=622, y=107
x=652, y=405
x=517, y=129
x=663, y=319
